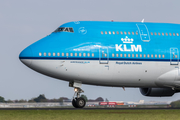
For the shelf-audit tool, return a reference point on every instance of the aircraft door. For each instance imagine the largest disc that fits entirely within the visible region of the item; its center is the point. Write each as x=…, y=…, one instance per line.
x=144, y=33
x=174, y=56
x=103, y=55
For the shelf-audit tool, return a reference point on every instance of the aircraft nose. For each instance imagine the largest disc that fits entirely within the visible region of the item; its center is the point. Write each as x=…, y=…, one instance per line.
x=25, y=56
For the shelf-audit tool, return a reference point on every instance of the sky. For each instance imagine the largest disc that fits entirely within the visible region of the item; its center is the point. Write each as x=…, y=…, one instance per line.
x=23, y=22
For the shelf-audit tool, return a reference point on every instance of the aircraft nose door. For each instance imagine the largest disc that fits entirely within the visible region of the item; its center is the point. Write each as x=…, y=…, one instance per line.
x=174, y=56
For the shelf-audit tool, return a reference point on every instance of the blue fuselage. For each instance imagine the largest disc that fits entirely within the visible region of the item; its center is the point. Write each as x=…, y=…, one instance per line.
x=86, y=39
x=131, y=54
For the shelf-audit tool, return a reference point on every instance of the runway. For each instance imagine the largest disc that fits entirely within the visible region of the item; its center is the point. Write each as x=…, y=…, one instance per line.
x=89, y=108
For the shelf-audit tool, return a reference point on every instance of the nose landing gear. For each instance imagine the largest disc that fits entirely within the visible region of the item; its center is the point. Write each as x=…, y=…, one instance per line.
x=78, y=102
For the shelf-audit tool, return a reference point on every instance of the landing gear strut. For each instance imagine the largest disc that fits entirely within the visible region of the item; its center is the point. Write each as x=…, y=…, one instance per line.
x=78, y=102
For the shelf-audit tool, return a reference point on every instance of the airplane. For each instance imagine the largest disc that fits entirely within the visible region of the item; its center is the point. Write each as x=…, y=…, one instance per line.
x=142, y=55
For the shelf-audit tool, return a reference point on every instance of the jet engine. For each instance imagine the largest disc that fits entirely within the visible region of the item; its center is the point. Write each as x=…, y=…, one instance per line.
x=157, y=92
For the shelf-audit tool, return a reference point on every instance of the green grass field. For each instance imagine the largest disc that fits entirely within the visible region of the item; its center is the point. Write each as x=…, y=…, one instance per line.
x=89, y=114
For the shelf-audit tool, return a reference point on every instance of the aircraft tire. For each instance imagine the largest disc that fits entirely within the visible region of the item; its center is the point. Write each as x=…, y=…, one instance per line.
x=74, y=103
x=80, y=102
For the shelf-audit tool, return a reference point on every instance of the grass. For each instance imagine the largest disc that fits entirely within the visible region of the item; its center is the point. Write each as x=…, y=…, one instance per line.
x=89, y=114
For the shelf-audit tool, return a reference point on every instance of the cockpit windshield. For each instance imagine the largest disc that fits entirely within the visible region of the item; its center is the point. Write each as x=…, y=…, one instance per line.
x=64, y=29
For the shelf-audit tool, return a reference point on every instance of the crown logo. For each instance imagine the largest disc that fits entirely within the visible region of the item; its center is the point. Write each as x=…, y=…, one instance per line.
x=127, y=40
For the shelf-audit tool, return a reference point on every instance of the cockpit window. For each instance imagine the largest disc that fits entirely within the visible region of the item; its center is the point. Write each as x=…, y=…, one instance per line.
x=64, y=29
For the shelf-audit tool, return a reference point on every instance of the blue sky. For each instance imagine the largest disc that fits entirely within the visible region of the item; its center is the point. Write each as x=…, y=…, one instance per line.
x=24, y=22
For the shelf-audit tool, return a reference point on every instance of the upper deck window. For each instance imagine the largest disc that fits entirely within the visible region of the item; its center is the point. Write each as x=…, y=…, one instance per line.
x=64, y=29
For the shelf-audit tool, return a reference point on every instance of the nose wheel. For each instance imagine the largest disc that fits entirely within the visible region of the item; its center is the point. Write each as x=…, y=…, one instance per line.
x=78, y=102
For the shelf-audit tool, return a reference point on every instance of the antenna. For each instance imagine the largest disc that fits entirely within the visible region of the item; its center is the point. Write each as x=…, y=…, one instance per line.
x=142, y=21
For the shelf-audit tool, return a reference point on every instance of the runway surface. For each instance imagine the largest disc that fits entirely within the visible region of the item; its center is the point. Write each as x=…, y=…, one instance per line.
x=89, y=108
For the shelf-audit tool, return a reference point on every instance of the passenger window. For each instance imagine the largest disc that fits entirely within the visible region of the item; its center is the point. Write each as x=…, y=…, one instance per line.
x=40, y=54
x=44, y=54
x=163, y=56
x=159, y=33
x=92, y=54
x=113, y=55
x=67, y=54
x=177, y=34
x=136, y=33
x=101, y=32
x=155, y=56
x=176, y=56
x=62, y=54
x=75, y=54
x=105, y=32
x=166, y=34
x=132, y=33
x=117, y=55
x=58, y=54
x=125, y=33
x=71, y=54
x=120, y=55
x=132, y=55
x=105, y=55
x=88, y=54
x=151, y=33
x=151, y=55
x=49, y=54
x=129, y=55
x=173, y=34
x=162, y=34
x=113, y=32
x=129, y=33
x=159, y=56
x=144, y=55
x=121, y=32
x=117, y=32
x=148, y=55
x=54, y=54
x=140, y=55
x=124, y=55
x=84, y=54
x=170, y=34
x=79, y=54
x=136, y=55
x=155, y=33
x=110, y=32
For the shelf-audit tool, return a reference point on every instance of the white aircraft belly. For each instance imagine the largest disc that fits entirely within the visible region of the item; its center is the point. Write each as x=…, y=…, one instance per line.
x=111, y=74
